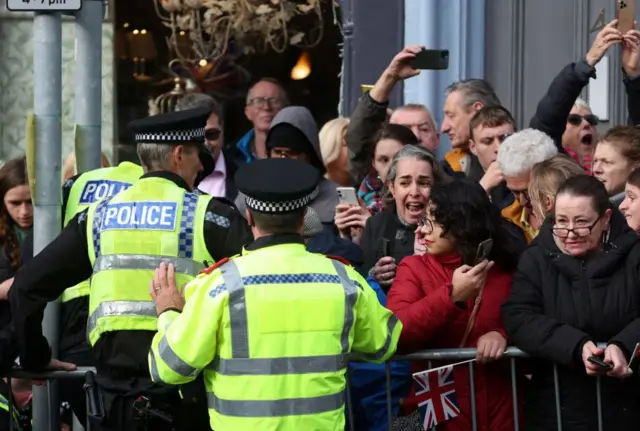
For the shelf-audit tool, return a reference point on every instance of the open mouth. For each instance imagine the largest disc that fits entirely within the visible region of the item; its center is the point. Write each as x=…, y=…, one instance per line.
x=415, y=209
x=587, y=139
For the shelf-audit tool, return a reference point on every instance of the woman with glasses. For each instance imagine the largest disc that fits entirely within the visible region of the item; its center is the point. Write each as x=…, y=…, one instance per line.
x=450, y=298
x=616, y=155
x=577, y=285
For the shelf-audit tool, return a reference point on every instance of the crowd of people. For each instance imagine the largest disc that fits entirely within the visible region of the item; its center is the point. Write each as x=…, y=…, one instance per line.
x=294, y=277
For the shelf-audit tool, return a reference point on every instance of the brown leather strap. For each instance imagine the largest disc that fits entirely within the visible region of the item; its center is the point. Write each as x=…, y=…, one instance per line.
x=472, y=318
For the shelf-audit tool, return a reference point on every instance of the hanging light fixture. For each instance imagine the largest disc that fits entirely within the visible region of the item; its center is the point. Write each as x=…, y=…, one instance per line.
x=302, y=69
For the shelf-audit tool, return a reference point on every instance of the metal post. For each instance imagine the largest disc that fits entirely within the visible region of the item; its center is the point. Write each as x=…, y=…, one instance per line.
x=47, y=103
x=88, y=92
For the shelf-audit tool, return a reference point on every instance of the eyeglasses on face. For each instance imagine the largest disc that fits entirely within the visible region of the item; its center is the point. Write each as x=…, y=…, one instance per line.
x=581, y=232
x=576, y=120
x=426, y=224
x=261, y=102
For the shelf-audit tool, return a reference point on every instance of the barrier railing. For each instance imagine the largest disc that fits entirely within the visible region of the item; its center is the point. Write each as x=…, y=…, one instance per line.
x=510, y=354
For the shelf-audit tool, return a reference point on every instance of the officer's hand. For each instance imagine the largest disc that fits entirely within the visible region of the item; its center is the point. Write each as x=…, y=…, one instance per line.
x=57, y=365
x=163, y=289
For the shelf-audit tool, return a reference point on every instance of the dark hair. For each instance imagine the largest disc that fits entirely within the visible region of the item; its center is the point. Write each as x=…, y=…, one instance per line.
x=396, y=132
x=278, y=223
x=588, y=187
x=491, y=116
x=463, y=209
x=12, y=174
x=634, y=177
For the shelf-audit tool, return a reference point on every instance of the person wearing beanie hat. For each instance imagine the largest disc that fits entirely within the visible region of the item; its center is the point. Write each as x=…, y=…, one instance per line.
x=294, y=135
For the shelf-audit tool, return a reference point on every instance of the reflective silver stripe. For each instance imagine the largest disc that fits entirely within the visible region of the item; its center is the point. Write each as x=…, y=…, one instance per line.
x=351, y=296
x=276, y=408
x=279, y=366
x=121, y=308
x=173, y=361
x=146, y=262
x=237, y=310
x=376, y=356
x=153, y=368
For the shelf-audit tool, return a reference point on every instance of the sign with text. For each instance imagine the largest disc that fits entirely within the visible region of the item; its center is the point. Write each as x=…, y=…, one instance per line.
x=44, y=5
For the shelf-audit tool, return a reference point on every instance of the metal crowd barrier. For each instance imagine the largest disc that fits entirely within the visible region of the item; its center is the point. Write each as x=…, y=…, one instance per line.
x=511, y=354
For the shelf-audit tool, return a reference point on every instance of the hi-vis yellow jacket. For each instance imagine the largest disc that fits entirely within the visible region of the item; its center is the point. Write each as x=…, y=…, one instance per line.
x=129, y=235
x=91, y=187
x=271, y=331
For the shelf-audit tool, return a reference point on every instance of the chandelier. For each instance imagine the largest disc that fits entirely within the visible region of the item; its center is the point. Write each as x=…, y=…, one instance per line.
x=207, y=29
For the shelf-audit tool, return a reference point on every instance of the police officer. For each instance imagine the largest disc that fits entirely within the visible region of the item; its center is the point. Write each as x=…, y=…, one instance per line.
x=271, y=328
x=78, y=193
x=118, y=242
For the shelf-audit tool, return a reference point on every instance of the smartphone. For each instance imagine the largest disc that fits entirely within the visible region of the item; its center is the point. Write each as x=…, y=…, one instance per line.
x=431, y=59
x=385, y=247
x=599, y=362
x=347, y=195
x=484, y=250
x=626, y=15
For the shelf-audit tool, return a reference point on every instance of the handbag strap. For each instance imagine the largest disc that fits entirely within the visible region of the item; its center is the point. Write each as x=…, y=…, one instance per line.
x=472, y=318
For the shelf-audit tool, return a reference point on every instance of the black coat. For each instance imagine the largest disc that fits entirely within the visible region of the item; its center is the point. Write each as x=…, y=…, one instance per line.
x=557, y=303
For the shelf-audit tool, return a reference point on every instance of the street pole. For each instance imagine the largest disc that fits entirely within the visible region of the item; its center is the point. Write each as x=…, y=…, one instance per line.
x=88, y=91
x=47, y=107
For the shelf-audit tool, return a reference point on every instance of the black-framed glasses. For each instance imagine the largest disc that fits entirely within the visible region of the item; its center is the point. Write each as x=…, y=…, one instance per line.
x=212, y=134
x=261, y=102
x=426, y=224
x=576, y=119
x=581, y=232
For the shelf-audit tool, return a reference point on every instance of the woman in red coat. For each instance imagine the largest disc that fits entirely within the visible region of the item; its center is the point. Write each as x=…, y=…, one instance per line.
x=435, y=295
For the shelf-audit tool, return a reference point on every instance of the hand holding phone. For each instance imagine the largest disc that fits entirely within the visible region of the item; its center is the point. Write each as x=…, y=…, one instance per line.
x=347, y=195
x=484, y=250
x=431, y=59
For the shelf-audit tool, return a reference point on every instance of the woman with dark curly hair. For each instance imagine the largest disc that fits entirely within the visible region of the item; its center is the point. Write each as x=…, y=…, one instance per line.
x=16, y=220
x=445, y=299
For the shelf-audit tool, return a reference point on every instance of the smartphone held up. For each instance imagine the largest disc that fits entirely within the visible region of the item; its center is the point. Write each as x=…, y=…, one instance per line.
x=431, y=59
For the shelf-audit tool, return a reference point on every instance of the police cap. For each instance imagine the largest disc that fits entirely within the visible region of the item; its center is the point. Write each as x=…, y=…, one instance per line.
x=277, y=186
x=171, y=128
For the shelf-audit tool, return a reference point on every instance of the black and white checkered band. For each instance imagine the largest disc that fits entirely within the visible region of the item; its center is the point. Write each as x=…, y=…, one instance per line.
x=277, y=207
x=186, y=135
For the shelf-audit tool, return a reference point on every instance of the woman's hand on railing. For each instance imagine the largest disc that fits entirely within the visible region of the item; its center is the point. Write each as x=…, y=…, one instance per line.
x=491, y=347
x=613, y=355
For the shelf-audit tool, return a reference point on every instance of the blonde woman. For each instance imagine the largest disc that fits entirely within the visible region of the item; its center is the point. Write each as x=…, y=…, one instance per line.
x=70, y=168
x=546, y=179
x=333, y=146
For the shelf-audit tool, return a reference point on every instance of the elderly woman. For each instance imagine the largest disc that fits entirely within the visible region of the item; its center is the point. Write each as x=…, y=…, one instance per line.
x=546, y=178
x=616, y=155
x=447, y=299
x=576, y=285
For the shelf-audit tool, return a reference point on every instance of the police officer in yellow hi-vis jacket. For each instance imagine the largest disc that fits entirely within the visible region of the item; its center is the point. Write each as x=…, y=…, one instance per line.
x=270, y=329
x=118, y=242
x=78, y=192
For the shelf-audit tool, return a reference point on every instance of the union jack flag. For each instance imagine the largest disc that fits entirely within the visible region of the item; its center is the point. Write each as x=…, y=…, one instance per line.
x=436, y=394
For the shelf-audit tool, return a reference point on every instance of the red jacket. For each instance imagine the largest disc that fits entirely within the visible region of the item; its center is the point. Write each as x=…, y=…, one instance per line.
x=419, y=297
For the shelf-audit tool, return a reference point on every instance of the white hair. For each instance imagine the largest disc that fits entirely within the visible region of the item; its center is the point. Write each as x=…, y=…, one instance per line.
x=521, y=151
x=582, y=104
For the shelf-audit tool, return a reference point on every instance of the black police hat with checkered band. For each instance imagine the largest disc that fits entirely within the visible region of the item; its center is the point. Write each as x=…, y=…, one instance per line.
x=277, y=186
x=171, y=128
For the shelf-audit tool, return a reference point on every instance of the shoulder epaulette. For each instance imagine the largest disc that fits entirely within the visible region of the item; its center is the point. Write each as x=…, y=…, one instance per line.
x=215, y=266
x=339, y=259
